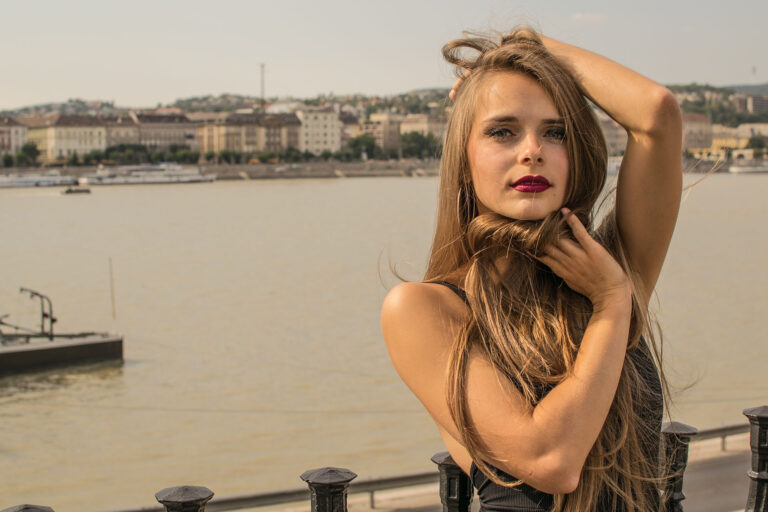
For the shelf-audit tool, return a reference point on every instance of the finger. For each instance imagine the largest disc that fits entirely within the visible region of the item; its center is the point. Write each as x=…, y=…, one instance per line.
x=553, y=251
x=557, y=269
x=553, y=264
x=570, y=248
x=558, y=262
x=577, y=228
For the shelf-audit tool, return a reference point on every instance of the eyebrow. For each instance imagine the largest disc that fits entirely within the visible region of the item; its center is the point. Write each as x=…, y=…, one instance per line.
x=512, y=119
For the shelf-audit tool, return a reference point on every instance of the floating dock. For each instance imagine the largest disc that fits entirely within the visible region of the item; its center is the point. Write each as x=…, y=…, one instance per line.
x=20, y=354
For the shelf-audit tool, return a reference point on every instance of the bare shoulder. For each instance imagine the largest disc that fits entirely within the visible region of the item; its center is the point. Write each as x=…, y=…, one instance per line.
x=409, y=305
x=420, y=320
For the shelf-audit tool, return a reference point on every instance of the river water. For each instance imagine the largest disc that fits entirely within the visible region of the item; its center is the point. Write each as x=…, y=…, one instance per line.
x=252, y=344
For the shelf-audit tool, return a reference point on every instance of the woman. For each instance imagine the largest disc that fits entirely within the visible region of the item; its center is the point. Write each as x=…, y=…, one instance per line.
x=528, y=342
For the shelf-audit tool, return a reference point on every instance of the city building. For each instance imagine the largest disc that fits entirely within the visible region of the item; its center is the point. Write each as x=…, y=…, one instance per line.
x=748, y=130
x=61, y=136
x=161, y=131
x=320, y=130
x=757, y=104
x=121, y=129
x=424, y=124
x=13, y=135
x=350, y=126
x=248, y=133
x=724, y=137
x=697, y=131
x=385, y=127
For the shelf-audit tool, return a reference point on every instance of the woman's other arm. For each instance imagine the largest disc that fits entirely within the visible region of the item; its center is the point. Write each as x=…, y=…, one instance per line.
x=546, y=447
x=650, y=180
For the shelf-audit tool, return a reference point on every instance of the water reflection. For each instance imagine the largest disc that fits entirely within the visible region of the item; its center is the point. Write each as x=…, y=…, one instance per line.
x=102, y=373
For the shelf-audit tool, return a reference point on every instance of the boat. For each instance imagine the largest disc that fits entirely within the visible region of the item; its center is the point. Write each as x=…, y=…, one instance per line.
x=76, y=190
x=147, y=174
x=26, y=349
x=749, y=167
x=47, y=179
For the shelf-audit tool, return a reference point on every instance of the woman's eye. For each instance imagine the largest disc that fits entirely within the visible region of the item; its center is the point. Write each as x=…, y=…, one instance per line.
x=499, y=133
x=556, y=133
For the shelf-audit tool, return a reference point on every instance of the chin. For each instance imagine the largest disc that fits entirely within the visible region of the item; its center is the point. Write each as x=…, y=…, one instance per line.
x=530, y=215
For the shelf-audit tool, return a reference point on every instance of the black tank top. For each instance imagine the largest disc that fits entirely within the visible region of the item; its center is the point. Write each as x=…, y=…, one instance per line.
x=524, y=498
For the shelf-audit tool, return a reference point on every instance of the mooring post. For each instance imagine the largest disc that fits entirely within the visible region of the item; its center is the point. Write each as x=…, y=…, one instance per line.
x=28, y=508
x=757, y=501
x=455, y=485
x=185, y=498
x=328, y=488
x=676, y=439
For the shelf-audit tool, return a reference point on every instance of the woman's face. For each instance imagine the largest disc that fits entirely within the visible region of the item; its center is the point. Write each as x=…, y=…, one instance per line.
x=516, y=149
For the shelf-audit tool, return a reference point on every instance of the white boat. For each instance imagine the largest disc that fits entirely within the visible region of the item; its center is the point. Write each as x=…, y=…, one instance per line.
x=748, y=167
x=147, y=174
x=46, y=179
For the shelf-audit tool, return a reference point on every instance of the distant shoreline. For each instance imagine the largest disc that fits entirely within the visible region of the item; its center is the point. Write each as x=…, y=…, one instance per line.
x=332, y=169
x=227, y=172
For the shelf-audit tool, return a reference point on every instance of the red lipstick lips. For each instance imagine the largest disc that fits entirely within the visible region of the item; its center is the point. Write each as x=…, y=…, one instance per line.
x=531, y=184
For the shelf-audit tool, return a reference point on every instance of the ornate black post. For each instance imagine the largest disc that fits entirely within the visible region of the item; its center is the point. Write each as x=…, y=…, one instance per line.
x=757, y=501
x=455, y=485
x=676, y=439
x=185, y=498
x=328, y=488
x=28, y=508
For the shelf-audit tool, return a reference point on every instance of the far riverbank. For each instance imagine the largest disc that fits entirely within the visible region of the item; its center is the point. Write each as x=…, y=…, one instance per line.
x=319, y=169
x=333, y=169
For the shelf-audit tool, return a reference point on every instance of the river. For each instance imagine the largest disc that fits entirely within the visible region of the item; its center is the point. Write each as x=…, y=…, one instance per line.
x=252, y=343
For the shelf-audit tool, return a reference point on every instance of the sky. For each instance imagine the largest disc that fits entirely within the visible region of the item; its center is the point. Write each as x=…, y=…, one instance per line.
x=144, y=52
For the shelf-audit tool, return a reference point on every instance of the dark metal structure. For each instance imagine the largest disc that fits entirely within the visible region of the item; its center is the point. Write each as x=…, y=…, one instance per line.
x=329, y=487
x=676, y=438
x=757, y=500
x=28, y=349
x=455, y=486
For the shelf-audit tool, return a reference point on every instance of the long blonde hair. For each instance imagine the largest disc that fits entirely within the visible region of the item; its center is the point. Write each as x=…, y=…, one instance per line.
x=525, y=320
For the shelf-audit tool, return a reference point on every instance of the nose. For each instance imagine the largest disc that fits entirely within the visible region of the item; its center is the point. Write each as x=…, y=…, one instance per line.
x=531, y=152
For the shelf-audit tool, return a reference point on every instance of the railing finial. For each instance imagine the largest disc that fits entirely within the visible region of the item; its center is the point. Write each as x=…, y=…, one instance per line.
x=757, y=500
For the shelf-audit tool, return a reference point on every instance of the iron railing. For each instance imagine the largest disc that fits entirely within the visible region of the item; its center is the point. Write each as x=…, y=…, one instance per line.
x=329, y=487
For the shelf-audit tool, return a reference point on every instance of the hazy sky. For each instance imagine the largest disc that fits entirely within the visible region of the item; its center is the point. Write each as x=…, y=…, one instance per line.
x=142, y=52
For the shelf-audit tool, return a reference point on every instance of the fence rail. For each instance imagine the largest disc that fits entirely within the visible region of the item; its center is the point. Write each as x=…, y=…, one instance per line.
x=329, y=487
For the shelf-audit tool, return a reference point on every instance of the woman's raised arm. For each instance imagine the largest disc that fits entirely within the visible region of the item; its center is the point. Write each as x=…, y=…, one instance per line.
x=650, y=180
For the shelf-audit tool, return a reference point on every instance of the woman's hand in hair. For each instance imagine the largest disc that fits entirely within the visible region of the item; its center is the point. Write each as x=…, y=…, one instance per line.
x=586, y=267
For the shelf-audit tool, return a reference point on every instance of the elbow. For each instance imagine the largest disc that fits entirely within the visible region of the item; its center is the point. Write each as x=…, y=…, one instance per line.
x=664, y=117
x=562, y=476
x=554, y=474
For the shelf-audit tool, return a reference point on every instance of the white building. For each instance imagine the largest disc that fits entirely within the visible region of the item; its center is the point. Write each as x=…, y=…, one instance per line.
x=425, y=124
x=320, y=130
x=697, y=131
x=747, y=130
x=13, y=135
x=58, y=137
